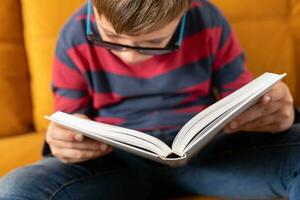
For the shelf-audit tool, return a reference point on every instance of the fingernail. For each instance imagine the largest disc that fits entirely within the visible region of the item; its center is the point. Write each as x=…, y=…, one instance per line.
x=103, y=147
x=78, y=137
x=267, y=99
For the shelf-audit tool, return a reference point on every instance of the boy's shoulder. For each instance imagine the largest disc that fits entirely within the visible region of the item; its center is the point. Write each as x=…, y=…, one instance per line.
x=205, y=11
x=73, y=32
x=203, y=16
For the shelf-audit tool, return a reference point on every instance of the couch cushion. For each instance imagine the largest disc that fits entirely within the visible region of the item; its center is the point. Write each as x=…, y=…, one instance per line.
x=15, y=105
x=269, y=33
x=42, y=21
x=17, y=151
x=295, y=19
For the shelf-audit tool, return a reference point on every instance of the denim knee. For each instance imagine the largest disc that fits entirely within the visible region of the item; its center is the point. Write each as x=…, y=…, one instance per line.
x=24, y=183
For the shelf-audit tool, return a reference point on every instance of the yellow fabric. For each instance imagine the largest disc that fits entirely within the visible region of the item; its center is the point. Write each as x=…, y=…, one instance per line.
x=17, y=151
x=43, y=21
x=15, y=106
x=295, y=27
x=269, y=32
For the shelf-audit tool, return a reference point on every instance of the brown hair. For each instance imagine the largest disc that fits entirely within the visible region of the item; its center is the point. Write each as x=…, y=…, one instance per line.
x=135, y=17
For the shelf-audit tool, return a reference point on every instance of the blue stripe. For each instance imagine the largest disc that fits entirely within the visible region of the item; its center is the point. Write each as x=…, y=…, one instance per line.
x=72, y=35
x=181, y=78
x=229, y=72
x=135, y=107
x=201, y=18
x=72, y=94
x=226, y=31
x=86, y=111
x=138, y=118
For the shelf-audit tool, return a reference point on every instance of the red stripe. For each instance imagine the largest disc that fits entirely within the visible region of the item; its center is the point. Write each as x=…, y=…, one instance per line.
x=101, y=100
x=197, y=4
x=69, y=105
x=194, y=48
x=242, y=80
x=158, y=128
x=192, y=109
x=196, y=91
x=81, y=57
x=110, y=120
x=230, y=50
x=189, y=99
x=224, y=94
x=66, y=77
x=203, y=88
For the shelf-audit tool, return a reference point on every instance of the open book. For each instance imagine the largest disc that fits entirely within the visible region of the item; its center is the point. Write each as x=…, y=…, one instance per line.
x=193, y=136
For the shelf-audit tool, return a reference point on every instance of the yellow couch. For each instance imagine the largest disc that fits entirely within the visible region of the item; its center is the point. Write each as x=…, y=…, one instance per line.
x=268, y=30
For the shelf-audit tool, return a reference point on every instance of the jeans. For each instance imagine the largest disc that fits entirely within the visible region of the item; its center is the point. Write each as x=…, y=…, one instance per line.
x=238, y=166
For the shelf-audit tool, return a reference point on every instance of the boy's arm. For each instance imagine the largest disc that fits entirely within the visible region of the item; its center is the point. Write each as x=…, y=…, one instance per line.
x=274, y=113
x=69, y=87
x=71, y=95
x=229, y=66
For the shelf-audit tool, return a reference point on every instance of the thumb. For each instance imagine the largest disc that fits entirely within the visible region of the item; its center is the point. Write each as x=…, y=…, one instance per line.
x=77, y=136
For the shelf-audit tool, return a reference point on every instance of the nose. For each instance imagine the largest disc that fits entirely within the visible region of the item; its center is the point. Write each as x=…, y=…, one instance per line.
x=131, y=56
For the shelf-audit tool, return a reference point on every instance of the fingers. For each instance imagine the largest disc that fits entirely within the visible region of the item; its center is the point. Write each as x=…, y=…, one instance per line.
x=273, y=113
x=278, y=92
x=257, y=111
x=57, y=132
x=271, y=128
x=73, y=155
x=88, y=144
x=277, y=121
x=71, y=147
x=255, y=125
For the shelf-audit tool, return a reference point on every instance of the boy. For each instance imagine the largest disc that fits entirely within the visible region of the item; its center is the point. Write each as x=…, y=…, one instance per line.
x=151, y=65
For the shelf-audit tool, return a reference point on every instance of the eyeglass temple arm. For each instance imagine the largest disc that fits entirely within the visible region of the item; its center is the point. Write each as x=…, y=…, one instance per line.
x=88, y=22
x=182, y=29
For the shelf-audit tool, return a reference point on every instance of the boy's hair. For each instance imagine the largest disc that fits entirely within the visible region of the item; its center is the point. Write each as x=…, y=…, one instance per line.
x=136, y=17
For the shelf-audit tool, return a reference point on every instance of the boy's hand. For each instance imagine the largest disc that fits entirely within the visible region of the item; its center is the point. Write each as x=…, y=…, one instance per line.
x=274, y=113
x=71, y=147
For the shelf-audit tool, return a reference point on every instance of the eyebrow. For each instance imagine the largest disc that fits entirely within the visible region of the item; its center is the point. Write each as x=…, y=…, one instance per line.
x=155, y=39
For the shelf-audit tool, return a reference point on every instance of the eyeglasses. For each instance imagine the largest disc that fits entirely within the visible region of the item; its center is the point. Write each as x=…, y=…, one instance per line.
x=119, y=47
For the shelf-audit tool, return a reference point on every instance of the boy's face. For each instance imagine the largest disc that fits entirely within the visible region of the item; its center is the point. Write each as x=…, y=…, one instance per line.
x=157, y=39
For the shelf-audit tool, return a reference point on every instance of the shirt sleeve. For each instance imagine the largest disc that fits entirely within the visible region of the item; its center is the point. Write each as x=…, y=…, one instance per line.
x=69, y=86
x=229, y=66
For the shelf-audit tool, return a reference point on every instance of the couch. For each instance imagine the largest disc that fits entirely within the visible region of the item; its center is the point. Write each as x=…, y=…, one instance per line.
x=269, y=32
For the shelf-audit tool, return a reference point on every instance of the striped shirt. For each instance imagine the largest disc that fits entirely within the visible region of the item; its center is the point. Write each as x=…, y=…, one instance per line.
x=163, y=92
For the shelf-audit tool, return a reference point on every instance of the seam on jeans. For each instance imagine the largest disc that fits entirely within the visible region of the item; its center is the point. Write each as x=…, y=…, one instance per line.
x=292, y=179
x=289, y=185
x=84, y=178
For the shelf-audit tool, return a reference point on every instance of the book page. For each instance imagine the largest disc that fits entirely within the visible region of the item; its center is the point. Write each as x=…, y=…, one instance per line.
x=214, y=108
x=119, y=134
x=217, y=125
x=255, y=88
x=210, y=117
